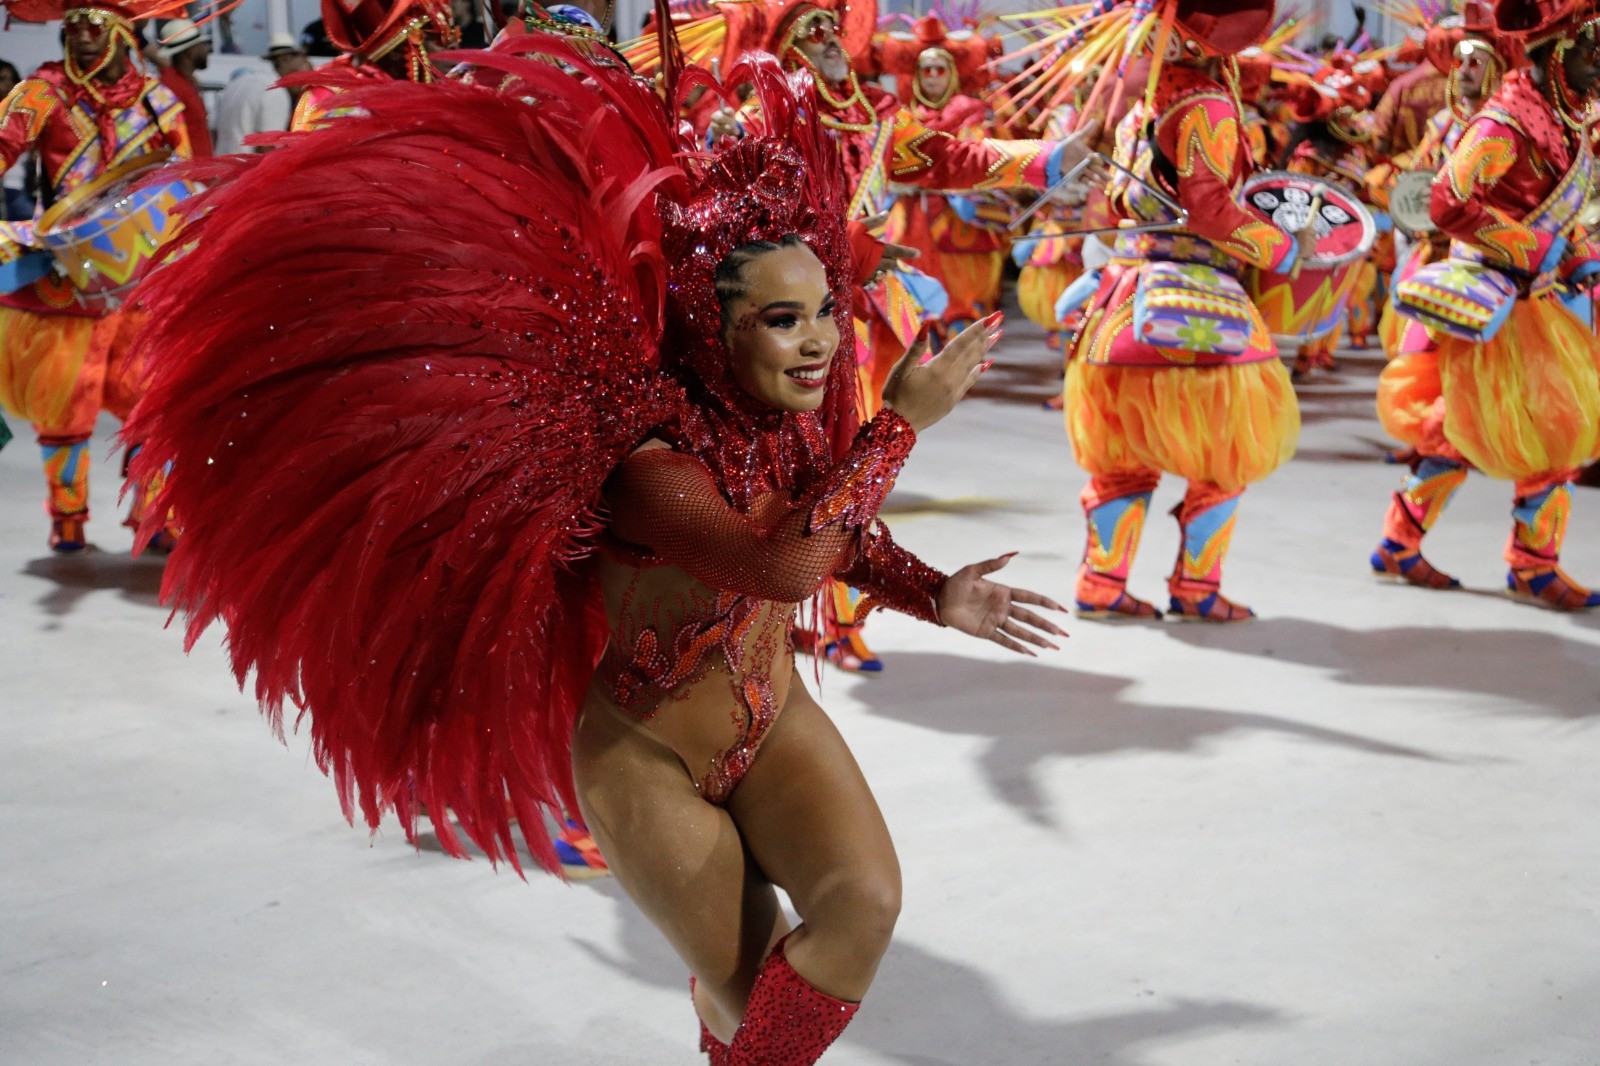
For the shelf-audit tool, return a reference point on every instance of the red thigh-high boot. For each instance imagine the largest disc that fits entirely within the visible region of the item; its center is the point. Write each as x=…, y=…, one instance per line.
x=787, y=1022
x=1534, y=550
x=1205, y=519
x=1114, y=508
x=1412, y=512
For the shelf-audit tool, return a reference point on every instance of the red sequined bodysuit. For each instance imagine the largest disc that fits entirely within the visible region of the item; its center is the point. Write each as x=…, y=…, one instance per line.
x=698, y=590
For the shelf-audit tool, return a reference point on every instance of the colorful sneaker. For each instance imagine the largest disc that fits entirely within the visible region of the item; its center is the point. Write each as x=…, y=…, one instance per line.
x=850, y=652
x=1547, y=586
x=67, y=536
x=1213, y=607
x=579, y=854
x=1394, y=560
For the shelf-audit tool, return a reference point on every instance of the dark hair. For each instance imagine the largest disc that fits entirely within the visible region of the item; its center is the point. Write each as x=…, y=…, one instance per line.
x=729, y=275
x=16, y=75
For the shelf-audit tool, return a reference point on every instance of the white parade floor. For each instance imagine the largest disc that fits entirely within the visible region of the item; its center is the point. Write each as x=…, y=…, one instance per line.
x=1363, y=830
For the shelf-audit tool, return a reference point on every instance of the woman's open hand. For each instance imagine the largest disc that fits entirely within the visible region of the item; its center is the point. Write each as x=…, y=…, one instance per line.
x=973, y=604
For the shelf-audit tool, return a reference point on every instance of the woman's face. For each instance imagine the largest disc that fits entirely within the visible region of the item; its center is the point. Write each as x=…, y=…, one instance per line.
x=779, y=331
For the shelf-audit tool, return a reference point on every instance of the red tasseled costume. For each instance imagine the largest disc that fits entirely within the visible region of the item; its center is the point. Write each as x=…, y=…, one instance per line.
x=394, y=365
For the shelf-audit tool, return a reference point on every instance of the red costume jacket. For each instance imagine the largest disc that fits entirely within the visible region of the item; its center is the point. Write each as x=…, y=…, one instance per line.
x=78, y=138
x=1511, y=157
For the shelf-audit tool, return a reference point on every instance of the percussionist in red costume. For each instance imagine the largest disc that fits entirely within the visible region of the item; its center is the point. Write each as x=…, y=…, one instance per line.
x=61, y=363
x=962, y=239
x=1519, y=373
x=1332, y=108
x=380, y=39
x=1159, y=382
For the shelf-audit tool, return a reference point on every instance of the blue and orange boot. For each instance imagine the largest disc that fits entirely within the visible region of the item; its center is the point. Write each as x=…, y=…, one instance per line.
x=1115, y=526
x=845, y=646
x=579, y=854
x=66, y=473
x=1412, y=512
x=1534, y=551
x=1205, y=521
x=166, y=538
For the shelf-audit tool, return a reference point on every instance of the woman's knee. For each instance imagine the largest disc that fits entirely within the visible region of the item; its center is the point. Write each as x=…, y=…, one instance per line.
x=859, y=906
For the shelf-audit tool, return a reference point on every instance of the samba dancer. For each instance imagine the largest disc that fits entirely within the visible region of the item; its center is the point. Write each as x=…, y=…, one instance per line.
x=1518, y=372
x=62, y=361
x=540, y=515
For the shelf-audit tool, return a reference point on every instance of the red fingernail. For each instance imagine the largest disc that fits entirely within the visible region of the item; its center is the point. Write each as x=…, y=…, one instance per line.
x=985, y=365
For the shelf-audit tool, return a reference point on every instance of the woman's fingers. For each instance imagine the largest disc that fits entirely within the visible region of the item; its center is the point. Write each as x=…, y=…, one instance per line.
x=1011, y=645
x=1021, y=632
x=1036, y=600
x=1037, y=621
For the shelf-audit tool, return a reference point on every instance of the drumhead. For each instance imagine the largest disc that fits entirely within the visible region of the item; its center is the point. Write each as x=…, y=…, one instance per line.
x=1409, y=200
x=94, y=198
x=1345, y=229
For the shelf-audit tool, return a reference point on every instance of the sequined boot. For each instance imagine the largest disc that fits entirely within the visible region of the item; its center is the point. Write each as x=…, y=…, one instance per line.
x=66, y=473
x=1205, y=519
x=787, y=1022
x=1114, y=529
x=1534, y=551
x=1412, y=512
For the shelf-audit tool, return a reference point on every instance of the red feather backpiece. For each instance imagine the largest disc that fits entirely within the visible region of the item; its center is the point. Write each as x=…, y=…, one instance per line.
x=392, y=371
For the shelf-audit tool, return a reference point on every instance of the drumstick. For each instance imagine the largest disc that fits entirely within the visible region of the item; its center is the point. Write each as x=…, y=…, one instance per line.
x=1311, y=222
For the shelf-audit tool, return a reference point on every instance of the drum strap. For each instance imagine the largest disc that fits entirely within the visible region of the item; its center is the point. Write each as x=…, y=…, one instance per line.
x=1161, y=168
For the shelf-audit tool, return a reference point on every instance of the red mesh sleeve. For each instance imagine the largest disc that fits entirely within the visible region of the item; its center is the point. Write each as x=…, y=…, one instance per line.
x=892, y=577
x=669, y=503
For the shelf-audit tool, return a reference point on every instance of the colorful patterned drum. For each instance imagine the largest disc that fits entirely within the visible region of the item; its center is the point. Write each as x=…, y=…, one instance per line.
x=1311, y=305
x=105, y=234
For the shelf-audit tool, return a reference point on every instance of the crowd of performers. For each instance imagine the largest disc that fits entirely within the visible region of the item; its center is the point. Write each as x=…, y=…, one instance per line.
x=563, y=374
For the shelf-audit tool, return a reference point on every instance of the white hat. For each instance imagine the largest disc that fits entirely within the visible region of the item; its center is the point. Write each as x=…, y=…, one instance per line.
x=283, y=44
x=178, y=35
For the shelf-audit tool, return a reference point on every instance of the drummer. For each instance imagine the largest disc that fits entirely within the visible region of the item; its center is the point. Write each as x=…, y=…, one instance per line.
x=1200, y=395
x=61, y=363
x=1333, y=108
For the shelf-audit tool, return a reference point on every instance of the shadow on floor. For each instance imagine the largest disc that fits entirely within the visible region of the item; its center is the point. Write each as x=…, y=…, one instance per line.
x=93, y=570
x=932, y=1011
x=1529, y=670
x=1032, y=713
